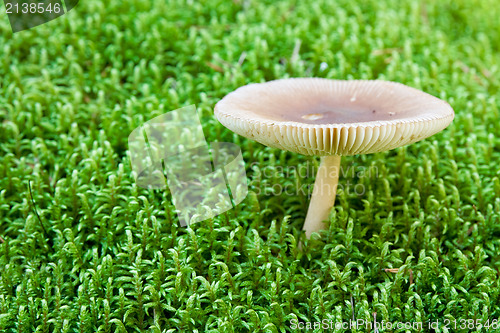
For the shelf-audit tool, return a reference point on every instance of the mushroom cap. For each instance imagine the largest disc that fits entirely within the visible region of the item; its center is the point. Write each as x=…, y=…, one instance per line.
x=315, y=116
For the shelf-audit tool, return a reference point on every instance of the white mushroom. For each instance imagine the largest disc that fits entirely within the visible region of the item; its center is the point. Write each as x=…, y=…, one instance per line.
x=332, y=118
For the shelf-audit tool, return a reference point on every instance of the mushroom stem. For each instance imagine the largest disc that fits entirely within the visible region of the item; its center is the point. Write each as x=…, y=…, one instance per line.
x=323, y=196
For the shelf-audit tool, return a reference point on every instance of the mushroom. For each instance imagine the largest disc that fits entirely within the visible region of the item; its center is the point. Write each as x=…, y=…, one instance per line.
x=332, y=118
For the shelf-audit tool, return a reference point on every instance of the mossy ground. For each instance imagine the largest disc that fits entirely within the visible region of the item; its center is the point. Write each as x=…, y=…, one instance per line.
x=113, y=257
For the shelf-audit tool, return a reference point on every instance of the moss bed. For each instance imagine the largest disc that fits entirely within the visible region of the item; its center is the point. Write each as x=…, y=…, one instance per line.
x=415, y=233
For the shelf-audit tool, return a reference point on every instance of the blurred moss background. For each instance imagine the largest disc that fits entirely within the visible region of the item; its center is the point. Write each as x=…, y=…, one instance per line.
x=107, y=256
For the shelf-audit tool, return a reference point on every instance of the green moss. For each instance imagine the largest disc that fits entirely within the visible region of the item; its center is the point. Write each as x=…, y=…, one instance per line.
x=113, y=257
